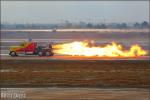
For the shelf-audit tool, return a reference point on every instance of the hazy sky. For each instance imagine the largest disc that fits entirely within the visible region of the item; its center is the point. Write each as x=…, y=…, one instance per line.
x=74, y=11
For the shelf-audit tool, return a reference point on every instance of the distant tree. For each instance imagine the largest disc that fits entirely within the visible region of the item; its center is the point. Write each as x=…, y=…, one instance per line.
x=2, y=26
x=98, y=26
x=82, y=24
x=89, y=25
x=103, y=26
x=124, y=25
x=68, y=24
x=144, y=24
x=137, y=25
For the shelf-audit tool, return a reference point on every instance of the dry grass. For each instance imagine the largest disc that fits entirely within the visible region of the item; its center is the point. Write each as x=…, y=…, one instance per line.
x=75, y=73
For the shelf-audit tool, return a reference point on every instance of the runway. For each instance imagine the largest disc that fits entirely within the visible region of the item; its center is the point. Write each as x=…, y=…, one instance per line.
x=101, y=37
x=68, y=57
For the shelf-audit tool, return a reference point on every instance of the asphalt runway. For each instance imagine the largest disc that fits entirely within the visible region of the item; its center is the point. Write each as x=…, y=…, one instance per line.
x=5, y=55
x=68, y=57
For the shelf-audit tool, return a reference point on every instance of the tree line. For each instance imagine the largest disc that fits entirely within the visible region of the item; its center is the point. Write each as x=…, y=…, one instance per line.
x=82, y=25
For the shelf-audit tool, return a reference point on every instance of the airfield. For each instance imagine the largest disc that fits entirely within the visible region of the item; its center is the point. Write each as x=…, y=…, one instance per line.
x=77, y=77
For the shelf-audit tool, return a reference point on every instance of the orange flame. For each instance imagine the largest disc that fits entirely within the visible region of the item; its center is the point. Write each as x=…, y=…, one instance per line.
x=110, y=50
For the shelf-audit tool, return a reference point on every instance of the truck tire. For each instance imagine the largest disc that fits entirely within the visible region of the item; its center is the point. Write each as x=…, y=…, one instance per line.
x=51, y=54
x=13, y=54
x=40, y=54
x=47, y=54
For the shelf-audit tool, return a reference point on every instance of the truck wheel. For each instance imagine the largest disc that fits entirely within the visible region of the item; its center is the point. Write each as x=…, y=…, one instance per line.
x=40, y=54
x=13, y=54
x=47, y=53
x=51, y=54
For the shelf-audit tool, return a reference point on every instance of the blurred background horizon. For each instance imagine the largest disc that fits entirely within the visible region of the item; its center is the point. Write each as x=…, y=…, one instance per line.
x=56, y=12
x=74, y=14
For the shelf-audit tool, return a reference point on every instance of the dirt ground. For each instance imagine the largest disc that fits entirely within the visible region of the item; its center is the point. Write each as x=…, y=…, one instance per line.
x=75, y=73
x=77, y=94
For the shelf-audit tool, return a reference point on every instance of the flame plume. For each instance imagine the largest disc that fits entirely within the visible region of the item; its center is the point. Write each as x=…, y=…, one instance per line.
x=88, y=49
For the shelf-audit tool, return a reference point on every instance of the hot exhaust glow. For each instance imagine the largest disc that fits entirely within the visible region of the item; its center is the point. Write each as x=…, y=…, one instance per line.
x=89, y=49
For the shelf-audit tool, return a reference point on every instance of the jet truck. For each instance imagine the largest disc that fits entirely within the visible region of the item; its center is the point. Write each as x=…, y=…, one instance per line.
x=31, y=48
